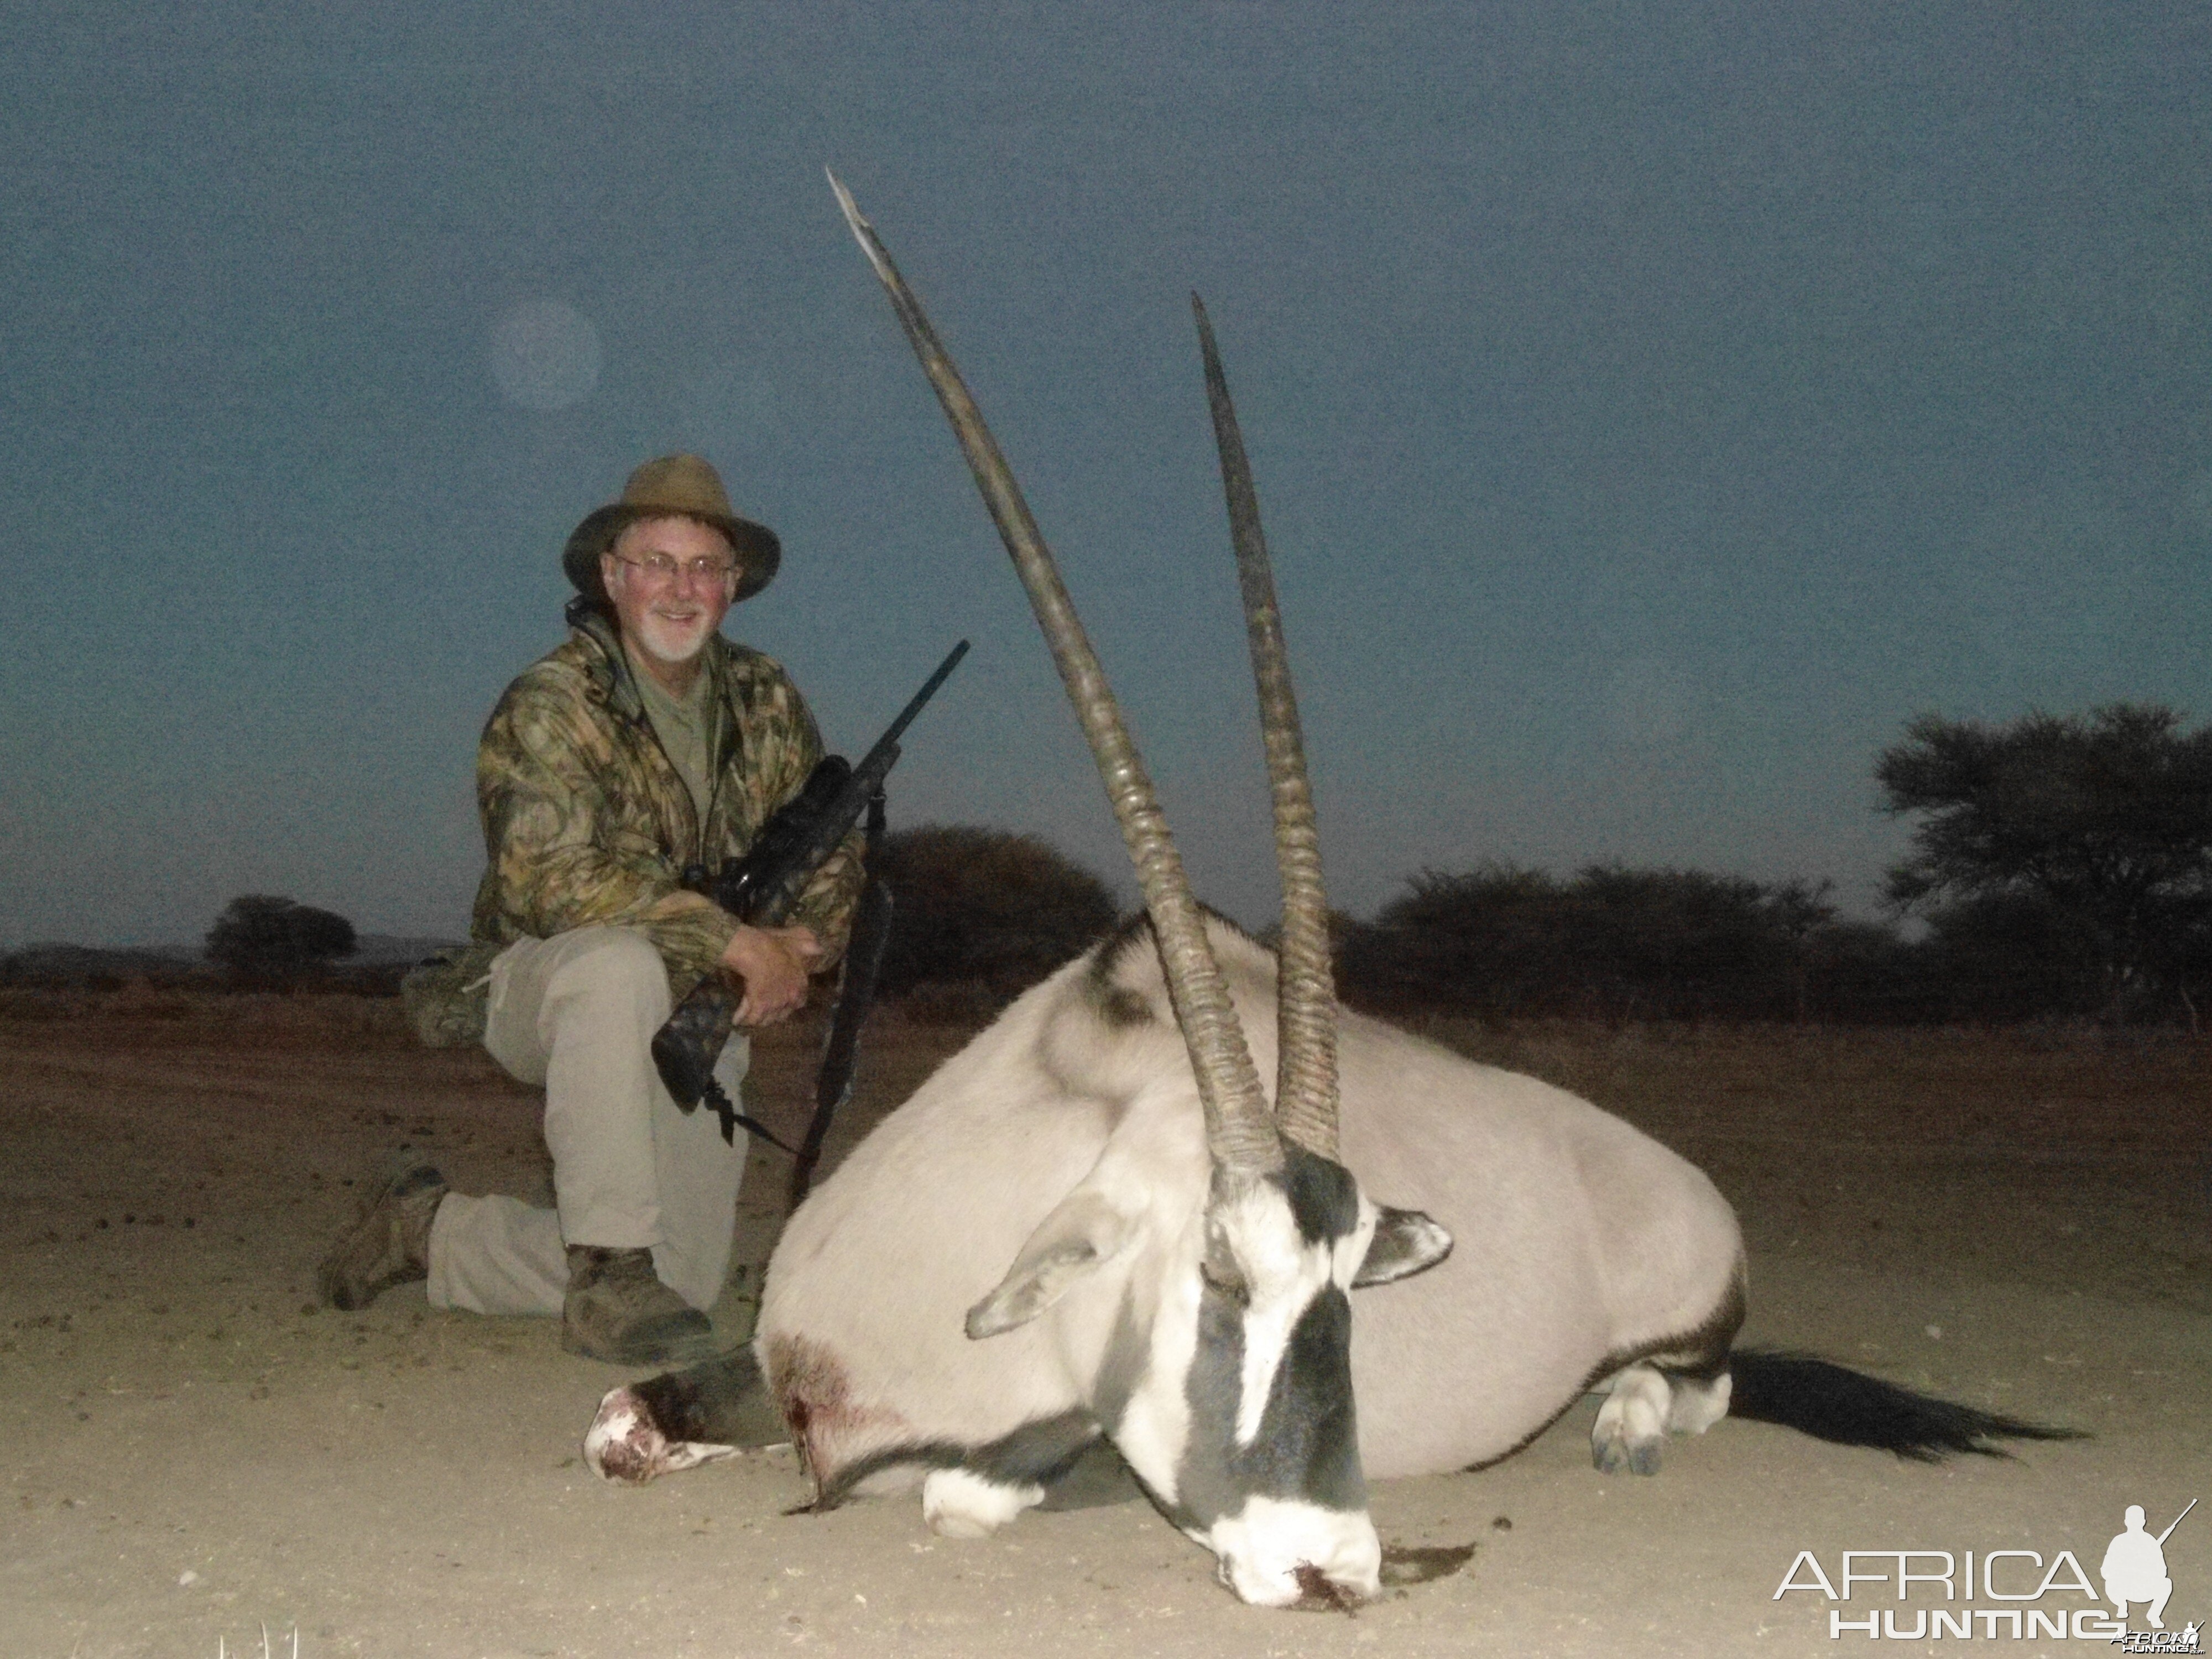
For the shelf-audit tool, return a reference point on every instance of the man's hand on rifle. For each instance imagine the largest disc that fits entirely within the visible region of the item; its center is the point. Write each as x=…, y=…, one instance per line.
x=771, y=963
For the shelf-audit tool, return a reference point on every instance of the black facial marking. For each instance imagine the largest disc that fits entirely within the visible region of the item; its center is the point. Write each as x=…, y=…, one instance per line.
x=1324, y=1198
x=1204, y=1490
x=1308, y=1446
x=1310, y=1432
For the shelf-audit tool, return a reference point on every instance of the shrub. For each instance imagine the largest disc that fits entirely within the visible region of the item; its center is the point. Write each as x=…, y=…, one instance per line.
x=987, y=906
x=1500, y=941
x=268, y=942
x=1490, y=940
x=1679, y=944
x=1863, y=973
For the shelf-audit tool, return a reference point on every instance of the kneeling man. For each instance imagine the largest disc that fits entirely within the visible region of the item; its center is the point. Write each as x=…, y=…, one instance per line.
x=645, y=745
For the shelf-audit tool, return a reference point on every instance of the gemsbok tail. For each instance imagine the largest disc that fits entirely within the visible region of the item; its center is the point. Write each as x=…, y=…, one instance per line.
x=1831, y=1402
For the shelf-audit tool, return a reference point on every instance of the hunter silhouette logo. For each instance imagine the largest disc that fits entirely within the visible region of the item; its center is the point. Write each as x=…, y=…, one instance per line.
x=2135, y=1566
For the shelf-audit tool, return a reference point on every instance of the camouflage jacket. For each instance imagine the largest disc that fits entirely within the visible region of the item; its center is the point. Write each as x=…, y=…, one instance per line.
x=587, y=823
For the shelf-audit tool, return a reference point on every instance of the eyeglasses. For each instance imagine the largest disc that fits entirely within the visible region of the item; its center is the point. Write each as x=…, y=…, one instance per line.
x=662, y=569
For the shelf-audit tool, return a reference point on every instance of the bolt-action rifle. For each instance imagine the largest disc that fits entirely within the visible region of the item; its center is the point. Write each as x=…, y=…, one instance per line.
x=761, y=889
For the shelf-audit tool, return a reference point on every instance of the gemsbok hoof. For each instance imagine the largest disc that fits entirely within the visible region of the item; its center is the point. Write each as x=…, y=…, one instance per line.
x=624, y=1444
x=1620, y=1455
x=1632, y=1426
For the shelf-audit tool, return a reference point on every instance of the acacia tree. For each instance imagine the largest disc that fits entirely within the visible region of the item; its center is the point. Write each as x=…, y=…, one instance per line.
x=263, y=939
x=2106, y=818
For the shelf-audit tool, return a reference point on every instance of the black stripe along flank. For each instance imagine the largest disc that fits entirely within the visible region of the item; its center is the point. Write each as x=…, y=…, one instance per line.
x=1036, y=1454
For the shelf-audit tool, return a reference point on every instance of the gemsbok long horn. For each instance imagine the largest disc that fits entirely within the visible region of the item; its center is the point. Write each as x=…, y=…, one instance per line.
x=1239, y=1131
x=1305, y=995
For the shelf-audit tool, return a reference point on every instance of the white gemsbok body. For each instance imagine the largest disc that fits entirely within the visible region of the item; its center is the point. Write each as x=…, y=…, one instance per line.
x=1071, y=1126
x=1096, y=1222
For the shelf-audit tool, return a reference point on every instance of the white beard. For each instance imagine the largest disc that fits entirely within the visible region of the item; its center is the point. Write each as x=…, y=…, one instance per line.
x=665, y=640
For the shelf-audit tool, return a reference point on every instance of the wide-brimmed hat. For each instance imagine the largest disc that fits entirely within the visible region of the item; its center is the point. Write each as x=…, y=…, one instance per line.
x=685, y=485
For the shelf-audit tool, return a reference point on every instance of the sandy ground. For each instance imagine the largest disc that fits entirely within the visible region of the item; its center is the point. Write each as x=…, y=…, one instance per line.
x=2019, y=1223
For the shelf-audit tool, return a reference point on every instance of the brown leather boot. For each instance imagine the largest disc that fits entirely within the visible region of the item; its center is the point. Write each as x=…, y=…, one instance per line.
x=618, y=1310
x=389, y=1244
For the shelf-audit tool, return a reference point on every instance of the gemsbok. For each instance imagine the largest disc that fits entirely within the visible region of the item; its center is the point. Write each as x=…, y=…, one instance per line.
x=1094, y=1222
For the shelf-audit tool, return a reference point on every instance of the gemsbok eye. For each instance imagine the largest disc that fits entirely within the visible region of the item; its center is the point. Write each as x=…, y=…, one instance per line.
x=1226, y=1280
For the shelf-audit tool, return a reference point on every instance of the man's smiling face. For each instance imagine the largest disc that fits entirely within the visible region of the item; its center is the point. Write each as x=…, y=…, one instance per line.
x=671, y=581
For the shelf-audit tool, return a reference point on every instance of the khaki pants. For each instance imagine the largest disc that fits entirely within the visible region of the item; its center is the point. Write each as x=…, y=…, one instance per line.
x=577, y=1013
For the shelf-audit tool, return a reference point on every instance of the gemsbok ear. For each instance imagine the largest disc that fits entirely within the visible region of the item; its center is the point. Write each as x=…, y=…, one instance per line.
x=1083, y=1232
x=1406, y=1242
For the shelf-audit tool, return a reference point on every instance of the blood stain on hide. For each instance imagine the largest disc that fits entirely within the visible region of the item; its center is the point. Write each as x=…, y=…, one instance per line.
x=1422, y=1564
x=810, y=1385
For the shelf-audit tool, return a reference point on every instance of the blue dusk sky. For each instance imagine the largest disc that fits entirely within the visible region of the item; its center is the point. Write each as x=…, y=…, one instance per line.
x=1653, y=407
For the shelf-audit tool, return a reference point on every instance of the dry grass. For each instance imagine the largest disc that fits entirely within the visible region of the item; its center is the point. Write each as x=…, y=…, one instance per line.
x=2073, y=1157
x=163, y=1016
x=403, y=1481
x=2058, y=1156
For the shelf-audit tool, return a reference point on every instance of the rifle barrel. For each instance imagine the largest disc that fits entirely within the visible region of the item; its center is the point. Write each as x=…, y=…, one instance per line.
x=898, y=727
x=2176, y=1520
x=778, y=895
